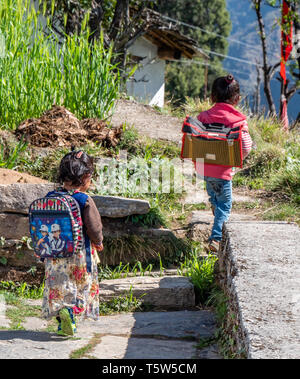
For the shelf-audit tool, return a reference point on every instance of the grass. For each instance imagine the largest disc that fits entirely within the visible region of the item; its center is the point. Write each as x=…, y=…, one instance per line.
x=20, y=309
x=133, y=248
x=123, y=303
x=35, y=73
x=22, y=290
x=123, y=270
x=200, y=270
x=84, y=351
x=227, y=324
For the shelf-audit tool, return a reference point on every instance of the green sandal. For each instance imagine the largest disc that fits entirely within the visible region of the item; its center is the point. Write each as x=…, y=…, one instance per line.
x=67, y=327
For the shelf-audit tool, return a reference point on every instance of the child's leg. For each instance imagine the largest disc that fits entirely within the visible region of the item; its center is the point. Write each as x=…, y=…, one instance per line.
x=220, y=192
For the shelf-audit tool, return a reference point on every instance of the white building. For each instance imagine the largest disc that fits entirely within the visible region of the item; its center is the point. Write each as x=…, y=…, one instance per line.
x=151, y=51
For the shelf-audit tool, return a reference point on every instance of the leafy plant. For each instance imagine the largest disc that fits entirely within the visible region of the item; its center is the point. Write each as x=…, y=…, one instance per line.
x=122, y=271
x=200, y=270
x=3, y=260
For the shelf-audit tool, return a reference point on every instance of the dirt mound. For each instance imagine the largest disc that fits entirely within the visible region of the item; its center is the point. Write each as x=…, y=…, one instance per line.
x=59, y=127
x=10, y=177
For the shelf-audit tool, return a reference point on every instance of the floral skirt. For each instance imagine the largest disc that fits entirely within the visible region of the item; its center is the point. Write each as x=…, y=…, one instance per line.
x=68, y=284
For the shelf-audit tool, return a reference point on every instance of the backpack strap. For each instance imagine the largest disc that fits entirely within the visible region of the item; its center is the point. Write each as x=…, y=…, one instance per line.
x=81, y=199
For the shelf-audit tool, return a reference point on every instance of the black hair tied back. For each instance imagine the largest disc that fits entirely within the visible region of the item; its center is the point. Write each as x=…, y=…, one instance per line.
x=229, y=79
x=225, y=89
x=74, y=166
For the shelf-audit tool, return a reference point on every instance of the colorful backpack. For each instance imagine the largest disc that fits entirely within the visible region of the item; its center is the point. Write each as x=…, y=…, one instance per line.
x=55, y=226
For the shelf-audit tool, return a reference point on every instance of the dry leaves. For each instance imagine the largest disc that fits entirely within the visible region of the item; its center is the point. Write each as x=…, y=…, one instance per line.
x=59, y=127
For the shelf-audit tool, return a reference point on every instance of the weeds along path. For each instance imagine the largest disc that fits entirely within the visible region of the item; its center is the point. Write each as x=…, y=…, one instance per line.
x=152, y=123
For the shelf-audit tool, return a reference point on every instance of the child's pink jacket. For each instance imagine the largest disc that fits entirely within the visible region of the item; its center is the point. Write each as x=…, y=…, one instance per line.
x=226, y=114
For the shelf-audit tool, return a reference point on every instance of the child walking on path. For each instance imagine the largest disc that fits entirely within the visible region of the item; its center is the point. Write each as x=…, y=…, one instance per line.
x=225, y=95
x=71, y=284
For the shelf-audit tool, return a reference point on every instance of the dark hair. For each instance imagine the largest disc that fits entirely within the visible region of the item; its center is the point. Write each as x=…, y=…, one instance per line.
x=225, y=89
x=74, y=166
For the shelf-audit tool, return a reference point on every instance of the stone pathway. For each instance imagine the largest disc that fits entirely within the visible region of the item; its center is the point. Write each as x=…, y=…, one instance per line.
x=146, y=335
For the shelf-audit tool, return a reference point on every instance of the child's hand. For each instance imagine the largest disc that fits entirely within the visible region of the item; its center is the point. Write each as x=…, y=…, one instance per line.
x=98, y=247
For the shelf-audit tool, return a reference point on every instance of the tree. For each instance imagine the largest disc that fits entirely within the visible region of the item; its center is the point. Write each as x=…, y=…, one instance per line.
x=211, y=15
x=120, y=21
x=269, y=70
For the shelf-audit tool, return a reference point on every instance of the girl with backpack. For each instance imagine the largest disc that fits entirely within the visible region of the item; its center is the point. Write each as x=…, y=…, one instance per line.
x=71, y=284
x=226, y=96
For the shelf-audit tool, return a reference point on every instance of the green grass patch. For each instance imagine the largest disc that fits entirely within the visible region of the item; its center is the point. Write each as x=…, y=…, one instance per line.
x=200, y=270
x=22, y=290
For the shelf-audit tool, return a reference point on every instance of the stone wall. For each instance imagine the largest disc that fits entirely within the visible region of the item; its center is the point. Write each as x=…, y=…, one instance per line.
x=117, y=230
x=259, y=266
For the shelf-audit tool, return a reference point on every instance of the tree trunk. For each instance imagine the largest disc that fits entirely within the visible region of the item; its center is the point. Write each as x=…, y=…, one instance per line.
x=257, y=92
x=266, y=68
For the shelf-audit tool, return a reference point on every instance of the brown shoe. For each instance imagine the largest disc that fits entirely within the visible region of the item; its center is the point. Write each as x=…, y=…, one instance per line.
x=214, y=246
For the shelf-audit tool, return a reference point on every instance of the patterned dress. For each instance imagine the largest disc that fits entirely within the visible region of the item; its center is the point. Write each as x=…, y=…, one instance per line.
x=68, y=283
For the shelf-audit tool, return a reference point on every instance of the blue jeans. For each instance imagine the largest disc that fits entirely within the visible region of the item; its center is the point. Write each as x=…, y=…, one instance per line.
x=220, y=192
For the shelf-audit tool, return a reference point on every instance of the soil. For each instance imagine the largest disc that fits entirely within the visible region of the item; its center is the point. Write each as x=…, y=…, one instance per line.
x=10, y=177
x=9, y=273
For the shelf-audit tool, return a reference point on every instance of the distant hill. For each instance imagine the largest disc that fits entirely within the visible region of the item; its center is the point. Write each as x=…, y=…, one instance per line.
x=245, y=29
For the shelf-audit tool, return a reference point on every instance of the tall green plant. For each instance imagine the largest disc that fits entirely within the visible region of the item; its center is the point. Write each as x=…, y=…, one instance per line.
x=38, y=70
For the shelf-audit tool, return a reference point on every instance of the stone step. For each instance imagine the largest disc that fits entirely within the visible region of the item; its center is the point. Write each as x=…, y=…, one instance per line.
x=169, y=292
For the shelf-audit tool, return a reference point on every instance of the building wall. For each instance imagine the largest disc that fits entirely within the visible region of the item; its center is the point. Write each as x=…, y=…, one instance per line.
x=148, y=83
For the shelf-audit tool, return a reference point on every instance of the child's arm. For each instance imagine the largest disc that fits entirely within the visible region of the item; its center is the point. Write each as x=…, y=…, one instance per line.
x=246, y=140
x=93, y=224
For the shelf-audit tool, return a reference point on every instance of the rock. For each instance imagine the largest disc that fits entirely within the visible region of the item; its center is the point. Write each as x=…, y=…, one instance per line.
x=167, y=292
x=114, y=206
x=18, y=254
x=17, y=197
x=192, y=325
x=8, y=176
x=13, y=226
x=119, y=347
x=142, y=335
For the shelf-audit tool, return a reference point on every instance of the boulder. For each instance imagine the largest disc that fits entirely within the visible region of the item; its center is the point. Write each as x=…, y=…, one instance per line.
x=13, y=225
x=114, y=206
x=17, y=197
x=164, y=293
